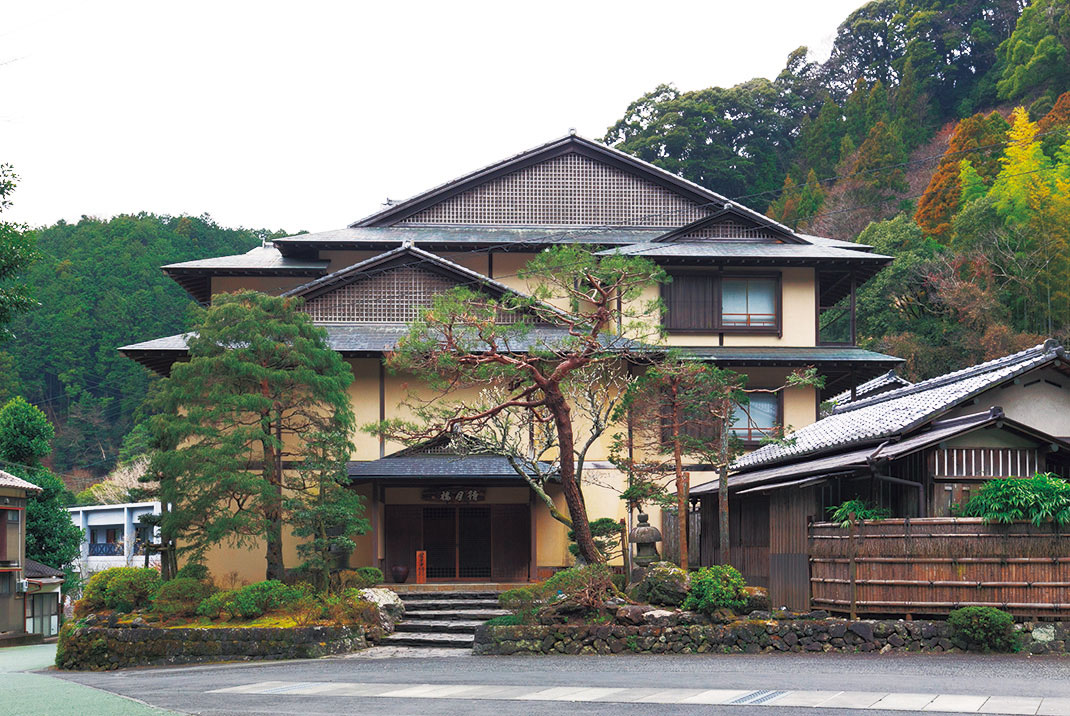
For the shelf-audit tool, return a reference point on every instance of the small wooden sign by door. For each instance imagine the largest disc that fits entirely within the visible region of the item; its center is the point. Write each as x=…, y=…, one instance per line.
x=421, y=567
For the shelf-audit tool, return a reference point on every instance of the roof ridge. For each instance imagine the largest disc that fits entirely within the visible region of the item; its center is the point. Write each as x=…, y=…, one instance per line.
x=1050, y=346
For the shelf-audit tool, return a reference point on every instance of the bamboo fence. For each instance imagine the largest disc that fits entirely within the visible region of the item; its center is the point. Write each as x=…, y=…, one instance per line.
x=930, y=566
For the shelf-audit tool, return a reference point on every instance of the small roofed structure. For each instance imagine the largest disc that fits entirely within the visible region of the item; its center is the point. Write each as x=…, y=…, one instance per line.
x=917, y=450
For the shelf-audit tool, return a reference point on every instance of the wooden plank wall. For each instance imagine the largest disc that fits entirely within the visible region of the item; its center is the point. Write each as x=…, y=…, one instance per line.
x=790, y=512
x=930, y=566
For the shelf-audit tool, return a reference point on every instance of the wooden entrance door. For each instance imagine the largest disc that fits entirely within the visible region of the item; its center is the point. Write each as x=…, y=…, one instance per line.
x=473, y=542
x=458, y=542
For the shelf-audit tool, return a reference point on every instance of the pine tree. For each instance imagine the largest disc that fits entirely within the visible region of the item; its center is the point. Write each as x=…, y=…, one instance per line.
x=252, y=428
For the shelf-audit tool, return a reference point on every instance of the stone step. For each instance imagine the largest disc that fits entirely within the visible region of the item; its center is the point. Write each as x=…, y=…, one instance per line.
x=440, y=596
x=438, y=626
x=459, y=641
x=424, y=605
x=455, y=614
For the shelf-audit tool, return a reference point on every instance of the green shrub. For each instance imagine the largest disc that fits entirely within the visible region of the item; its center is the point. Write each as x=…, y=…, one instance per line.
x=504, y=620
x=193, y=570
x=214, y=605
x=522, y=601
x=369, y=577
x=989, y=628
x=121, y=588
x=1035, y=499
x=252, y=600
x=861, y=509
x=620, y=581
x=717, y=587
x=132, y=589
x=181, y=596
x=605, y=532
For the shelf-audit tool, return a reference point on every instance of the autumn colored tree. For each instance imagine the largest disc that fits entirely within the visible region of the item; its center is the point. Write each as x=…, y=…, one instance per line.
x=978, y=139
x=878, y=175
x=797, y=204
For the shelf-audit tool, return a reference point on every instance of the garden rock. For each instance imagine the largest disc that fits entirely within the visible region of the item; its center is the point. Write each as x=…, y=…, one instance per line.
x=664, y=584
x=757, y=600
x=388, y=601
x=631, y=613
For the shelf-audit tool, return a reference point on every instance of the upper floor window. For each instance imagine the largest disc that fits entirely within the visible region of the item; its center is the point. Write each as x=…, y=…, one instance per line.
x=758, y=419
x=705, y=302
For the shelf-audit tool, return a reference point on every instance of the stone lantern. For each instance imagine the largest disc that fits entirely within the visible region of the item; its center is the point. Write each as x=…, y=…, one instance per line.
x=645, y=538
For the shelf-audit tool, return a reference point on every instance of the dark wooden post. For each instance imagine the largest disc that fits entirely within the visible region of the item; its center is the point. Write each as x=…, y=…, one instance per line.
x=626, y=552
x=852, y=566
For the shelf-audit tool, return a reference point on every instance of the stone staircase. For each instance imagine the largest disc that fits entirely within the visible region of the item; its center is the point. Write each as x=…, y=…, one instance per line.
x=443, y=619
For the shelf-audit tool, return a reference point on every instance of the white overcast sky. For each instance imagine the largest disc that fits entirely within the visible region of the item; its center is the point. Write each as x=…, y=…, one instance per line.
x=307, y=115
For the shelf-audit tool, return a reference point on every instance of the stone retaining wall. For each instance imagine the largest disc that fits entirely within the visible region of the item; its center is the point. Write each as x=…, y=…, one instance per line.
x=751, y=637
x=100, y=648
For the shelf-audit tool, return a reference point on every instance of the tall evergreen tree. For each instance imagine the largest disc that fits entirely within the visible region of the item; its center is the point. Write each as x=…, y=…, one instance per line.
x=16, y=254
x=259, y=410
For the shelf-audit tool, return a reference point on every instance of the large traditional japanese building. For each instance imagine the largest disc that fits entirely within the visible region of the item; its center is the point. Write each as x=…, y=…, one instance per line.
x=747, y=293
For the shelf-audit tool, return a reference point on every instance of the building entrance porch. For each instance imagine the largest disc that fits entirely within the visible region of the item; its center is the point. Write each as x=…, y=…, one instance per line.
x=463, y=543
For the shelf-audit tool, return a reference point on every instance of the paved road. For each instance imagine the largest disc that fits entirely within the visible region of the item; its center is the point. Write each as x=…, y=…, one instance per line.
x=37, y=694
x=290, y=687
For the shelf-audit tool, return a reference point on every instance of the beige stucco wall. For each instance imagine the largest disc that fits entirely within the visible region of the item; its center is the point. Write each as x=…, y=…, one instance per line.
x=1040, y=400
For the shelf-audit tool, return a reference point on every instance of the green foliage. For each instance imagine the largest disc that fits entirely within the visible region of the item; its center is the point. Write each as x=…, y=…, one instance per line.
x=134, y=588
x=17, y=253
x=504, y=620
x=861, y=509
x=606, y=534
x=100, y=286
x=523, y=602
x=257, y=356
x=716, y=587
x=193, y=570
x=181, y=596
x=123, y=589
x=25, y=433
x=1036, y=499
x=51, y=537
x=986, y=627
x=369, y=577
x=1034, y=57
x=252, y=600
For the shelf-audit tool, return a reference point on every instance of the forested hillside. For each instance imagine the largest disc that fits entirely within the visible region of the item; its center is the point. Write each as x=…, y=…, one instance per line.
x=937, y=132
x=905, y=138
x=100, y=286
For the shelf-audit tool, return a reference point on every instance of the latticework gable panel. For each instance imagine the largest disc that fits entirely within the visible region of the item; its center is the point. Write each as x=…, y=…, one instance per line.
x=729, y=229
x=394, y=296
x=568, y=190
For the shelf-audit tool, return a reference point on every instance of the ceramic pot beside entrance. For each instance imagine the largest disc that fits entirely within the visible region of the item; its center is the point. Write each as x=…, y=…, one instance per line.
x=400, y=573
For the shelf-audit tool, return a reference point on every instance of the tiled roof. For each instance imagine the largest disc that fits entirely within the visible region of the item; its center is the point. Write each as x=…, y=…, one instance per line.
x=896, y=411
x=382, y=337
x=747, y=250
x=32, y=569
x=9, y=480
x=430, y=467
x=859, y=459
x=265, y=258
x=757, y=355
x=437, y=236
x=881, y=384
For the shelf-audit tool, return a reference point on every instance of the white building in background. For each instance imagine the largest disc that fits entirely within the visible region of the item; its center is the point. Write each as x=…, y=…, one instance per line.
x=114, y=535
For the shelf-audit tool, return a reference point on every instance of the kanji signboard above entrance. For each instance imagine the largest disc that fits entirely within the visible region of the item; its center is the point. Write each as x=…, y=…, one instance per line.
x=454, y=495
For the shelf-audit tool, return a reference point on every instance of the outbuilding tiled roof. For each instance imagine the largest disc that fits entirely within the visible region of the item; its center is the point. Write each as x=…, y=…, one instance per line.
x=896, y=411
x=748, y=250
x=9, y=480
x=32, y=569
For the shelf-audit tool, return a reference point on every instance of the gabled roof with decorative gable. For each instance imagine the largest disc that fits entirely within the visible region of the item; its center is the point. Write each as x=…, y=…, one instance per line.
x=889, y=414
x=405, y=255
x=653, y=196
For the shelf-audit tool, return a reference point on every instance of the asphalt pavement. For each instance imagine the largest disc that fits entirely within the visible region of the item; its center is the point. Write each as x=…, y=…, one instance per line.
x=346, y=685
